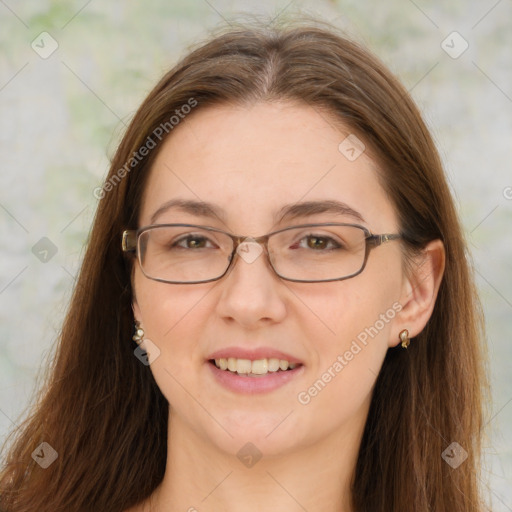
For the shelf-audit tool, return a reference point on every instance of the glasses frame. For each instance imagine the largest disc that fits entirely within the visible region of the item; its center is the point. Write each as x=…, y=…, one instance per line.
x=131, y=244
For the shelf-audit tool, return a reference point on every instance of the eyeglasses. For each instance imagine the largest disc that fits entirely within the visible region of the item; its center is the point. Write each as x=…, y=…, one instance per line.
x=307, y=253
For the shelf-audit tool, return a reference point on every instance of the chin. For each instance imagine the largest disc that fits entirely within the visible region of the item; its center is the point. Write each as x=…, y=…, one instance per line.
x=265, y=432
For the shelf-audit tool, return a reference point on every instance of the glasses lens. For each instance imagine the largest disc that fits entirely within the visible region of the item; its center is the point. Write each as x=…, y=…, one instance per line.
x=318, y=253
x=184, y=254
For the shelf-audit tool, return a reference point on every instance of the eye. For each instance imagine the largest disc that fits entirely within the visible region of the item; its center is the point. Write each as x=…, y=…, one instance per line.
x=192, y=242
x=317, y=243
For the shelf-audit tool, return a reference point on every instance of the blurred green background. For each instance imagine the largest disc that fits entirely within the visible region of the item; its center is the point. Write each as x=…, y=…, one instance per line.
x=65, y=97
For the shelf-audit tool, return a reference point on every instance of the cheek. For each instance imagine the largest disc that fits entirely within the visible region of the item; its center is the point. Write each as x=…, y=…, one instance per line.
x=349, y=336
x=173, y=319
x=167, y=309
x=341, y=312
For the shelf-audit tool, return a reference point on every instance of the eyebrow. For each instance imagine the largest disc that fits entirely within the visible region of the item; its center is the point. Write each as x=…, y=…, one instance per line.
x=287, y=212
x=307, y=208
x=197, y=208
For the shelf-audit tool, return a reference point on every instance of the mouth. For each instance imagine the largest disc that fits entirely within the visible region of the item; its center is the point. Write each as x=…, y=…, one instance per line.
x=256, y=370
x=253, y=368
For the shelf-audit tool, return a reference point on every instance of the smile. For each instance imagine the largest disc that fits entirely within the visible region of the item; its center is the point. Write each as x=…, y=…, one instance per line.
x=254, y=368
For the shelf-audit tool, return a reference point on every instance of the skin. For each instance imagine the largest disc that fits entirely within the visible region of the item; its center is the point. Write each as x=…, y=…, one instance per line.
x=250, y=161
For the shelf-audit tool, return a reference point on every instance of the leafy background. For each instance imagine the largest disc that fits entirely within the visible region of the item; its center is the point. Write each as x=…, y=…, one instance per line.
x=61, y=118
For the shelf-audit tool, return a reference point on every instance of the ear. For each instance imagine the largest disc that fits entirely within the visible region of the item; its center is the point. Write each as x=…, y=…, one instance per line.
x=419, y=291
x=136, y=310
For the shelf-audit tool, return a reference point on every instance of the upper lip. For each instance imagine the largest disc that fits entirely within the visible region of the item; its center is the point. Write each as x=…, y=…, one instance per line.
x=253, y=354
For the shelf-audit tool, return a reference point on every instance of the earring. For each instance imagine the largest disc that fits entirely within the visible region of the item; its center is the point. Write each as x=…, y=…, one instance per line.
x=138, y=337
x=404, y=338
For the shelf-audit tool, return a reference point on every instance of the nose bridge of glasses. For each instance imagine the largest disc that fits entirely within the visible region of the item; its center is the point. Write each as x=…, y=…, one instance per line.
x=250, y=248
x=240, y=239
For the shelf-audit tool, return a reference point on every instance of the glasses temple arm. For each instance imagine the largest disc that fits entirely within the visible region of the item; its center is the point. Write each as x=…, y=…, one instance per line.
x=129, y=241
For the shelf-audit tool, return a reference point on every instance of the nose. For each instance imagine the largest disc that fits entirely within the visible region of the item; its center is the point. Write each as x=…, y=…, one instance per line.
x=252, y=294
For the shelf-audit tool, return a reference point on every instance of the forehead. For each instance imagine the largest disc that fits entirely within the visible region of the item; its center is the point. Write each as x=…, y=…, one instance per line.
x=250, y=161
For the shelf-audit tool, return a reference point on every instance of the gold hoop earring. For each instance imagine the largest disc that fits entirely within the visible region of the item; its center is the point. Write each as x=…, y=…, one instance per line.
x=404, y=338
x=138, y=337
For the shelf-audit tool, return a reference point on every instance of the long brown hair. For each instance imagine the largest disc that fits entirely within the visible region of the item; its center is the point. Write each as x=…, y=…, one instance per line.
x=102, y=411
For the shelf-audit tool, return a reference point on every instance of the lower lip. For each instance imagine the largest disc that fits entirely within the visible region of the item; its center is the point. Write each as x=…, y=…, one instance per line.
x=253, y=385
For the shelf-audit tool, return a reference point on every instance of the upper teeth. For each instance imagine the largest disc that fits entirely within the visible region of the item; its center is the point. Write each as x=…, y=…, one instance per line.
x=258, y=367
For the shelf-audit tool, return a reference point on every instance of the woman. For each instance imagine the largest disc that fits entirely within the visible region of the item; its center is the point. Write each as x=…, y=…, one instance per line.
x=275, y=310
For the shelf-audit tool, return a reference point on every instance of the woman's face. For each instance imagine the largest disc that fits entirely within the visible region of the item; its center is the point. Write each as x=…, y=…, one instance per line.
x=250, y=163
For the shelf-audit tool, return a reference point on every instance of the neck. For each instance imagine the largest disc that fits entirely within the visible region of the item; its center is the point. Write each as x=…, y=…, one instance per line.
x=200, y=477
